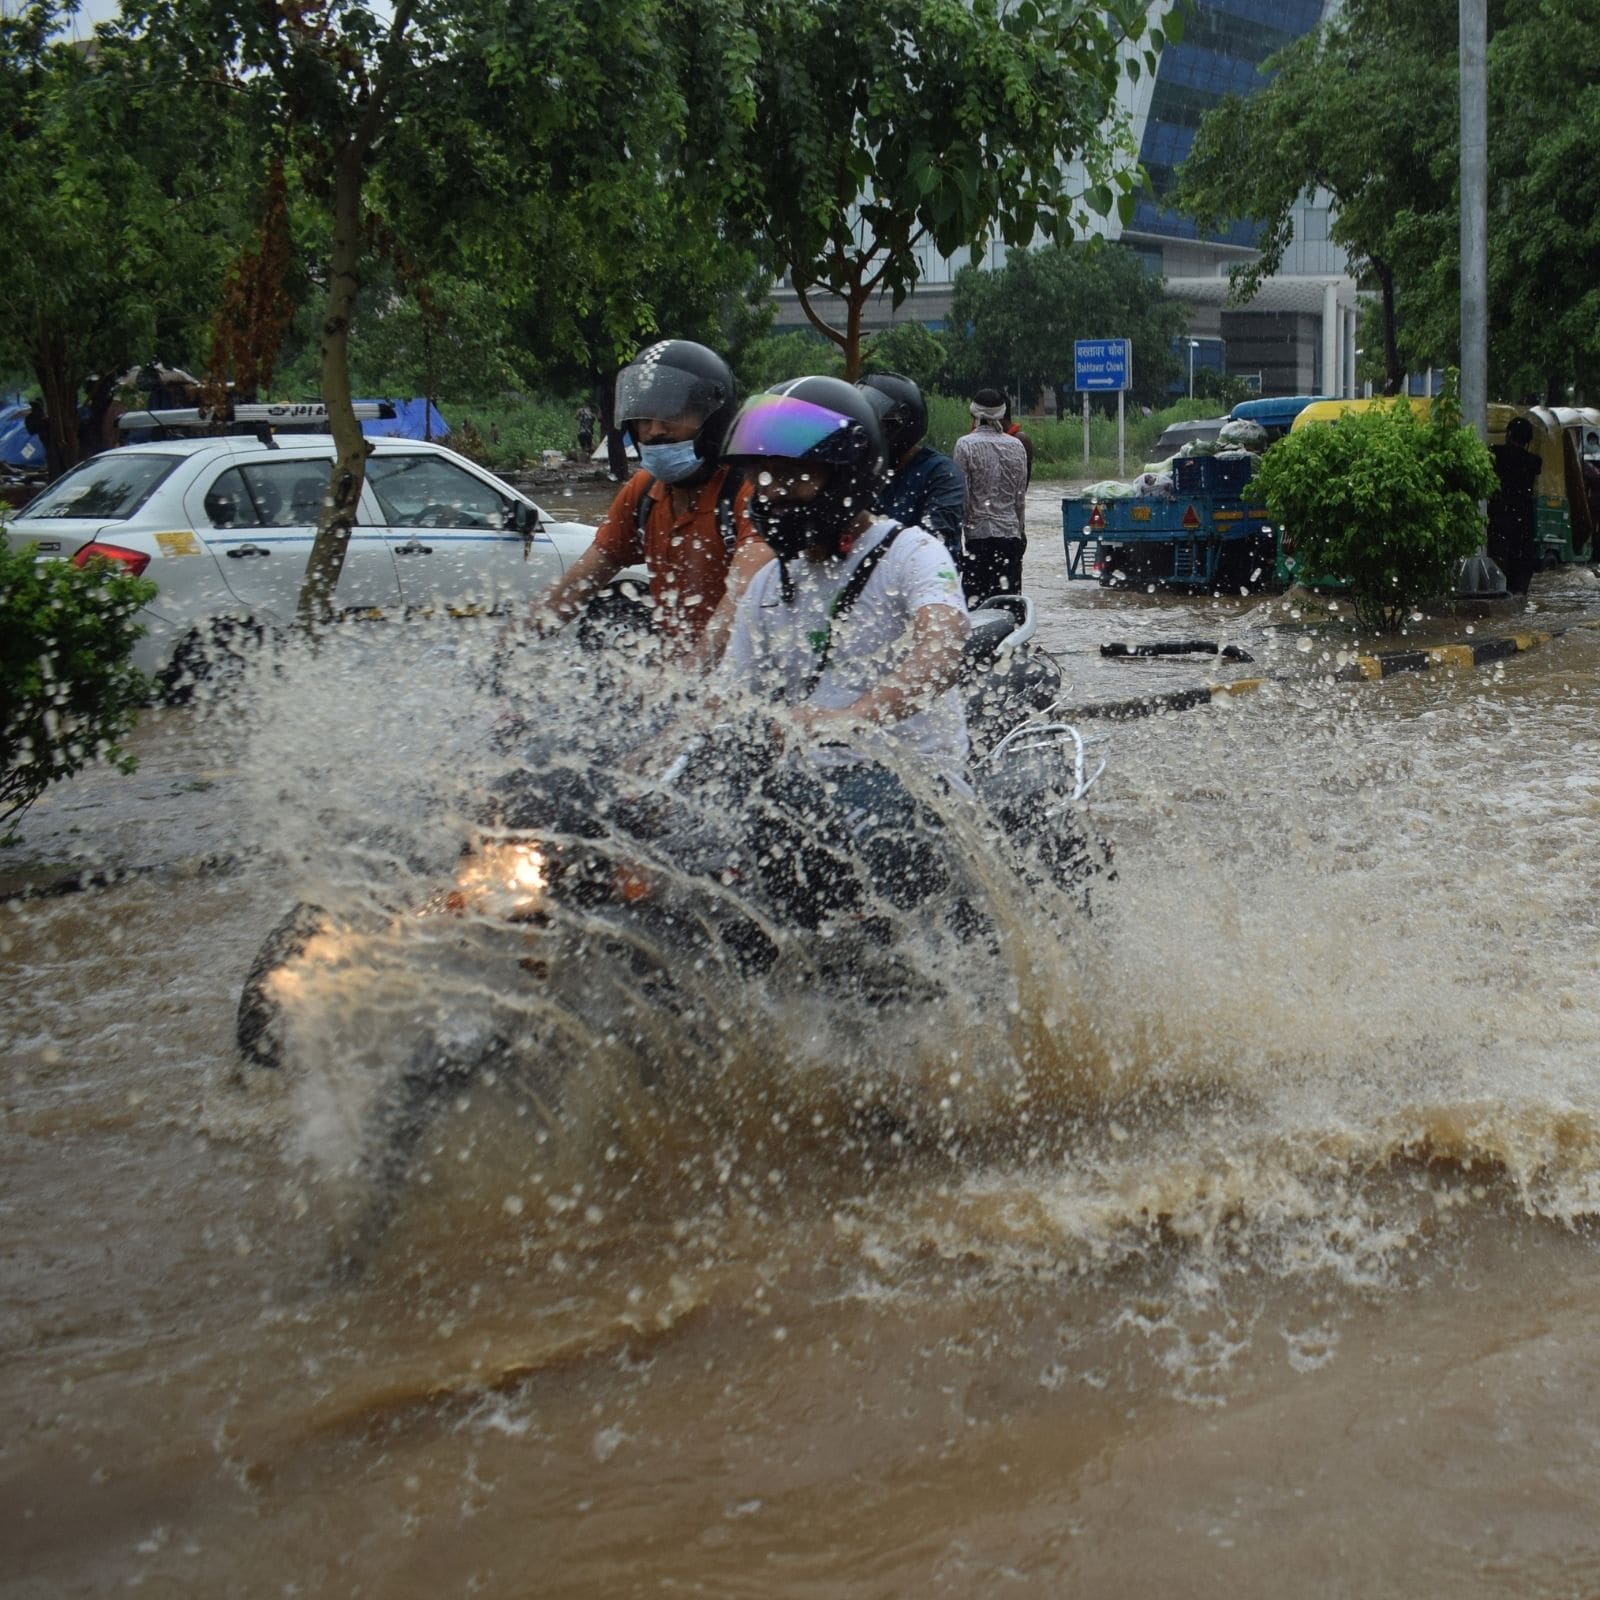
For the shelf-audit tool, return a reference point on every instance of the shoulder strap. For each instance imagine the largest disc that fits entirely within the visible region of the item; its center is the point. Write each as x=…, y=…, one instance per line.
x=641, y=509
x=727, y=525
x=844, y=601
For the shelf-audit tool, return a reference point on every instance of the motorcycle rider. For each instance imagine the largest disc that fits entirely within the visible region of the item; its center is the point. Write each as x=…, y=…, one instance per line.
x=858, y=624
x=684, y=513
x=924, y=485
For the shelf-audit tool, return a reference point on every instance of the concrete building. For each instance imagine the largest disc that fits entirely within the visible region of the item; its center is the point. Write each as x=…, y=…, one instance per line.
x=1297, y=335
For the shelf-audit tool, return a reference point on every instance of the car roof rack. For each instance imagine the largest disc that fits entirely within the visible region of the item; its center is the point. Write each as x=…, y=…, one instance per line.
x=308, y=416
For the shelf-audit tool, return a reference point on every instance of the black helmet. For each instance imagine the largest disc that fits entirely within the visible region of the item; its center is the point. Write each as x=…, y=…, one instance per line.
x=825, y=421
x=902, y=412
x=677, y=378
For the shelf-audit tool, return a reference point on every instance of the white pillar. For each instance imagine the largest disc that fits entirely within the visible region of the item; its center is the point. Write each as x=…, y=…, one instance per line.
x=1330, y=340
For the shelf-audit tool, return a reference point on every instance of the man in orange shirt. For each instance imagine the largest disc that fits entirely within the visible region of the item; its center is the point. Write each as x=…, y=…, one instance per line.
x=685, y=515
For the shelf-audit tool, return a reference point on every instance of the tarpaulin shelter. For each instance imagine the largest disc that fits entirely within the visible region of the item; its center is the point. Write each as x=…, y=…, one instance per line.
x=413, y=419
x=18, y=447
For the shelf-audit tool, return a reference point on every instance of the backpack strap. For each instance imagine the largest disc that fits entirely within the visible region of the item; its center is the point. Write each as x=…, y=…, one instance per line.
x=844, y=601
x=727, y=523
x=641, y=510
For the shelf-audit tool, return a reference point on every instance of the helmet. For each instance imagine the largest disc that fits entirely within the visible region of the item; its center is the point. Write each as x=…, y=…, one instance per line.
x=677, y=378
x=902, y=412
x=822, y=421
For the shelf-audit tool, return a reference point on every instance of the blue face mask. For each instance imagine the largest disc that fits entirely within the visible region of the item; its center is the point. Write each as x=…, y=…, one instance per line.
x=671, y=463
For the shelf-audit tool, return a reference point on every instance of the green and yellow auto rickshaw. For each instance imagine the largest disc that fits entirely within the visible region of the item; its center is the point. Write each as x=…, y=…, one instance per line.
x=1563, y=524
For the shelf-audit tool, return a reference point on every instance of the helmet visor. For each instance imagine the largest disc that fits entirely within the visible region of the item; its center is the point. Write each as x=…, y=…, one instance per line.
x=652, y=391
x=780, y=425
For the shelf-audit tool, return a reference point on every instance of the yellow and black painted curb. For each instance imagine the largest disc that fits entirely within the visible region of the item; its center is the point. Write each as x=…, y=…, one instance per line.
x=1363, y=669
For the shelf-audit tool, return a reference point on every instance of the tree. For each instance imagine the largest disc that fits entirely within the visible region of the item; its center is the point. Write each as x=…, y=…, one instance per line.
x=799, y=353
x=1015, y=328
x=426, y=130
x=1544, y=222
x=942, y=123
x=910, y=349
x=1363, y=109
x=449, y=336
x=115, y=232
x=1384, y=500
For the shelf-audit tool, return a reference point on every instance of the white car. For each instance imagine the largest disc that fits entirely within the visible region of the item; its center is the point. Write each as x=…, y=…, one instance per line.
x=224, y=527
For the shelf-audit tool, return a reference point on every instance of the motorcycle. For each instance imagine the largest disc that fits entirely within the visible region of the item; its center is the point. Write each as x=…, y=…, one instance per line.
x=599, y=890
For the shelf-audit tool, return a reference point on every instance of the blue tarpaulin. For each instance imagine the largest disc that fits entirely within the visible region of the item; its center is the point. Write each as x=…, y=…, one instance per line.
x=18, y=447
x=409, y=422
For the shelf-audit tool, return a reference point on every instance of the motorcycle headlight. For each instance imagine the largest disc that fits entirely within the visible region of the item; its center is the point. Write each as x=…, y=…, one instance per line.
x=505, y=877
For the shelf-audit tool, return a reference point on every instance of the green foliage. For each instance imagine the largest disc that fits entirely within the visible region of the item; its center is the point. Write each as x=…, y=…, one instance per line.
x=116, y=233
x=911, y=349
x=1386, y=501
x=454, y=339
x=517, y=430
x=912, y=122
x=1015, y=328
x=1365, y=109
x=67, y=691
x=1544, y=208
x=781, y=356
x=1224, y=390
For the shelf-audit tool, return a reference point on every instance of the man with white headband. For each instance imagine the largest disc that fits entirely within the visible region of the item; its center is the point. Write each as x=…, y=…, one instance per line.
x=995, y=466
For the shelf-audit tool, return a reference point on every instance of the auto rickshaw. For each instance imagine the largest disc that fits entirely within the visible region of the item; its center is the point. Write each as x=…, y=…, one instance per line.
x=1563, y=521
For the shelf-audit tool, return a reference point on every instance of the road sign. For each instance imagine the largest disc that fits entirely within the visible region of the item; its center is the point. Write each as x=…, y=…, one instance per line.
x=1102, y=364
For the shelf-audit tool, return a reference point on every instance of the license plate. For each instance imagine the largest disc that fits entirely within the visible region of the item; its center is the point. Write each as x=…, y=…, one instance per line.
x=1139, y=513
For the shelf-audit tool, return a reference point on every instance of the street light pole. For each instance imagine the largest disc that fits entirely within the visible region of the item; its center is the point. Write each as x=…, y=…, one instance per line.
x=1194, y=344
x=1479, y=573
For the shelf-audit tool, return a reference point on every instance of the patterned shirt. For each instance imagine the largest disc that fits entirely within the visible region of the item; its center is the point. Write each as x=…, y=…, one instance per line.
x=995, y=466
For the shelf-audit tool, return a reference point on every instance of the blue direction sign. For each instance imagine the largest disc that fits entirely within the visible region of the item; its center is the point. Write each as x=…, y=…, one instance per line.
x=1102, y=363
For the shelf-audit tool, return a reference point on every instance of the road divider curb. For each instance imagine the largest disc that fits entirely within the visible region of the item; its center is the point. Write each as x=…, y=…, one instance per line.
x=1362, y=669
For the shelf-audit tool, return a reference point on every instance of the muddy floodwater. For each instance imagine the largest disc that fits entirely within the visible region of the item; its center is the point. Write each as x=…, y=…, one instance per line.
x=1252, y=1250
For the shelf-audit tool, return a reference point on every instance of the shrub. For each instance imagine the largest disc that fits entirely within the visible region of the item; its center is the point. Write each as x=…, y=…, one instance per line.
x=1384, y=501
x=910, y=349
x=67, y=691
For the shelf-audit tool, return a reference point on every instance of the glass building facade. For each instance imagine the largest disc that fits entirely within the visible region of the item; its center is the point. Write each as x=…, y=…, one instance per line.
x=1224, y=44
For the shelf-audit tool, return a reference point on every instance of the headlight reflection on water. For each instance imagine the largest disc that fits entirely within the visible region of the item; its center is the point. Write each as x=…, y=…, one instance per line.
x=504, y=877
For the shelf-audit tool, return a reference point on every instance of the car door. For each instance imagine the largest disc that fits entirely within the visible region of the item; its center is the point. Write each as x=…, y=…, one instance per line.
x=259, y=518
x=455, y=533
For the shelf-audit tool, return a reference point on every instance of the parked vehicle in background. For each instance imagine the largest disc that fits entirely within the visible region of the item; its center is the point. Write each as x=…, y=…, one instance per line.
x=1190, y=521
x=1564, y=528
x=224, y=528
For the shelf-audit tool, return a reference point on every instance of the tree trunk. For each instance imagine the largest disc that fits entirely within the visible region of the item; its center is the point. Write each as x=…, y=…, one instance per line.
x=854, y=306
x=60, y=394
x=351, y=448
x=1393, y=373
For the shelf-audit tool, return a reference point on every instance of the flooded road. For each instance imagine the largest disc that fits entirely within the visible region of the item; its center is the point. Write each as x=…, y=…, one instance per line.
x=1257, y=1257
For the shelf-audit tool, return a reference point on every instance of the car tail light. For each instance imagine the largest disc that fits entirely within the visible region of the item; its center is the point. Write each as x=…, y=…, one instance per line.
x=135, y=561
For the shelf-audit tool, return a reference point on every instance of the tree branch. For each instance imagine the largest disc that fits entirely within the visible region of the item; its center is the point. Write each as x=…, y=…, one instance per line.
x=825, y=329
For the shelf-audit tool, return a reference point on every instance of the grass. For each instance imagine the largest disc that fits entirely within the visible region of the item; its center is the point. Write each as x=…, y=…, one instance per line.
x=1058, y=443
x=517, y=429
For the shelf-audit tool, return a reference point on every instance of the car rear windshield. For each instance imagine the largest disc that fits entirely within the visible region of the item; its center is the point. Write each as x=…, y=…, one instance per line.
x=111, y=487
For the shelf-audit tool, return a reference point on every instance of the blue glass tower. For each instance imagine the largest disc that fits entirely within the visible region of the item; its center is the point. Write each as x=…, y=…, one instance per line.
x=1224, y=44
